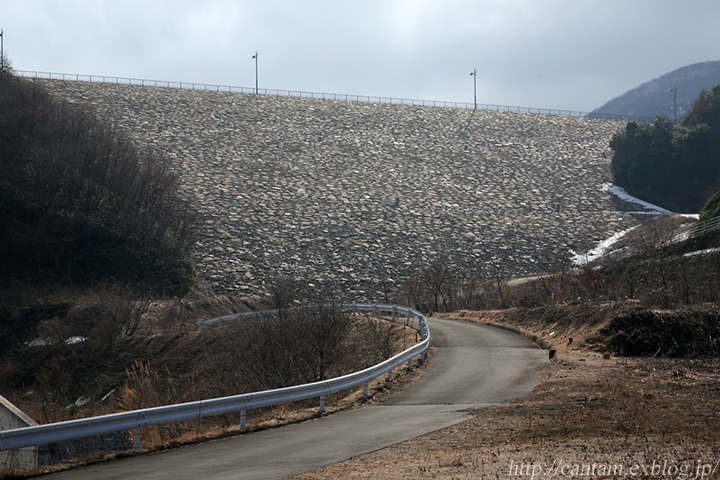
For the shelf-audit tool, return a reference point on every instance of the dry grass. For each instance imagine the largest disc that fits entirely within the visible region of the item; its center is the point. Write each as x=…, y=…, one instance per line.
x=257, y=420
x=146, y=387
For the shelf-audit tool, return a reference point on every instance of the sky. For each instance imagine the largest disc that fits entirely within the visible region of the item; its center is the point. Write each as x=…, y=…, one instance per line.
x=551, y=54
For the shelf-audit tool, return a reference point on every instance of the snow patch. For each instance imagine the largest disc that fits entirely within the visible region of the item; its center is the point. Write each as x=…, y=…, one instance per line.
x=603, y=247
x=75, y=340
x=702, y=252
x=623, y=195
x=606, y=246
x=42, y=342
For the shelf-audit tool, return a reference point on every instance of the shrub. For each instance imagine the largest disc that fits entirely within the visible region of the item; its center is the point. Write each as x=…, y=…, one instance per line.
x=674, y=334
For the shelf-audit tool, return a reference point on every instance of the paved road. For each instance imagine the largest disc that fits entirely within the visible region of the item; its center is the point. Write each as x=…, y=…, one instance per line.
x=473, y=365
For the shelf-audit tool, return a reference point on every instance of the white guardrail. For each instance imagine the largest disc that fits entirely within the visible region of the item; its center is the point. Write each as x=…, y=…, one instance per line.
x=136, y=419
x=705, y=226
x=695, y=229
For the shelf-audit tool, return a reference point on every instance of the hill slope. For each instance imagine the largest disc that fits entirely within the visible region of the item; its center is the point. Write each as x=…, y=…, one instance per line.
x=80, y=205
x=359, y=194
x=654, y=98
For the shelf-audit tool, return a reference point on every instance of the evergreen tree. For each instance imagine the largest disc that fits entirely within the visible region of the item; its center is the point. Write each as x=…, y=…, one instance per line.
x=676, y=167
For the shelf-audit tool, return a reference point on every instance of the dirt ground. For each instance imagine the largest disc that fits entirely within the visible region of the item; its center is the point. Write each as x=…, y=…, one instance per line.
x=588, y=417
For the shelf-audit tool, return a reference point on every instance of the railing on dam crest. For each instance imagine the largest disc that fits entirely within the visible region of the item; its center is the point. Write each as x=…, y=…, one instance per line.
x=324, y=96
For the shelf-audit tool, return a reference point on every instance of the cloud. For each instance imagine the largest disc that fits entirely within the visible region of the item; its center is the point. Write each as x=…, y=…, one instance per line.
x=561, y=54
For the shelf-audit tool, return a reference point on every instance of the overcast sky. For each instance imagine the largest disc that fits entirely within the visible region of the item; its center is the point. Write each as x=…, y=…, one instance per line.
x=556, y=54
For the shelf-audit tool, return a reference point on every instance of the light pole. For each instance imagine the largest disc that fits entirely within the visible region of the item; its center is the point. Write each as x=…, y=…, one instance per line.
x=256, y=71
x=674, y=90
x=2, y=52
x=474, y=75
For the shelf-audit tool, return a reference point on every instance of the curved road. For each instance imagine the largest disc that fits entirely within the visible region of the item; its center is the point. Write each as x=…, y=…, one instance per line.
x=473, y=365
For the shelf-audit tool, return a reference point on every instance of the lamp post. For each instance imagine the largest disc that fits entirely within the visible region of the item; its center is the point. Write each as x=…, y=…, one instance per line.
x=674, y=90
x=474, y=75
x=256, y=71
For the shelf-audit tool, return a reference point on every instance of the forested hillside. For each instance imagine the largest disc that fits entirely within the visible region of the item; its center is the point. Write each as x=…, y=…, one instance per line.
x=659, y=96
x=676, y=167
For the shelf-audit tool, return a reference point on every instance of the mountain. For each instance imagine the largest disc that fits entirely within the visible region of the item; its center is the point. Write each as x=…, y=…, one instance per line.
x=655, y=98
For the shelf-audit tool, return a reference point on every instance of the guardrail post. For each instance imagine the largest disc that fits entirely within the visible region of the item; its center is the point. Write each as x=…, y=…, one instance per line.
x=136, y=439
x=365, y=390
x=410, y=367
x=389, y=377
x=322, y=403
x=243, y=419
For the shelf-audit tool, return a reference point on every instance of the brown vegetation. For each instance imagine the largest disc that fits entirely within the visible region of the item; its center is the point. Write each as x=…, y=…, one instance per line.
x=646, y=266
x=164, y=359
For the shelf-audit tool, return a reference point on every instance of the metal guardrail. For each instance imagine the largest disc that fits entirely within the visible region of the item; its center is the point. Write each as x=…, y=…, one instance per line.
x=323, y=96
x=136, y=419
x=695, y=229
x=705, y=226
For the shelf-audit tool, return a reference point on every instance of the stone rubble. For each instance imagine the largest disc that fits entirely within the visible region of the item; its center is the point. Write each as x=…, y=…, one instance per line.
x=361, y=194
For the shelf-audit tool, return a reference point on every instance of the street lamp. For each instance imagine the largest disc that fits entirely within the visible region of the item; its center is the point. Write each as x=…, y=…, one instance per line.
x=474, y=75
x=674, y=90
x=256, y=71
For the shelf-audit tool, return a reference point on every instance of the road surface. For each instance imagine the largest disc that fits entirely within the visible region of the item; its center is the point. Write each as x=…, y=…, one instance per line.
x=473, y=365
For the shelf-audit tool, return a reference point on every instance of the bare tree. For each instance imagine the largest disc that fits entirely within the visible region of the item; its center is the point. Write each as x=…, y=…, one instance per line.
x=500, y=283
x=284, y=292
x=384, y=337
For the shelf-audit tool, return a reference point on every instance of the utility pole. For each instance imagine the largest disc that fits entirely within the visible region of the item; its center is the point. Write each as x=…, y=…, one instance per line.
x=474, y=75
x=2, y=52
x=674, y=90
x=256, y=71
